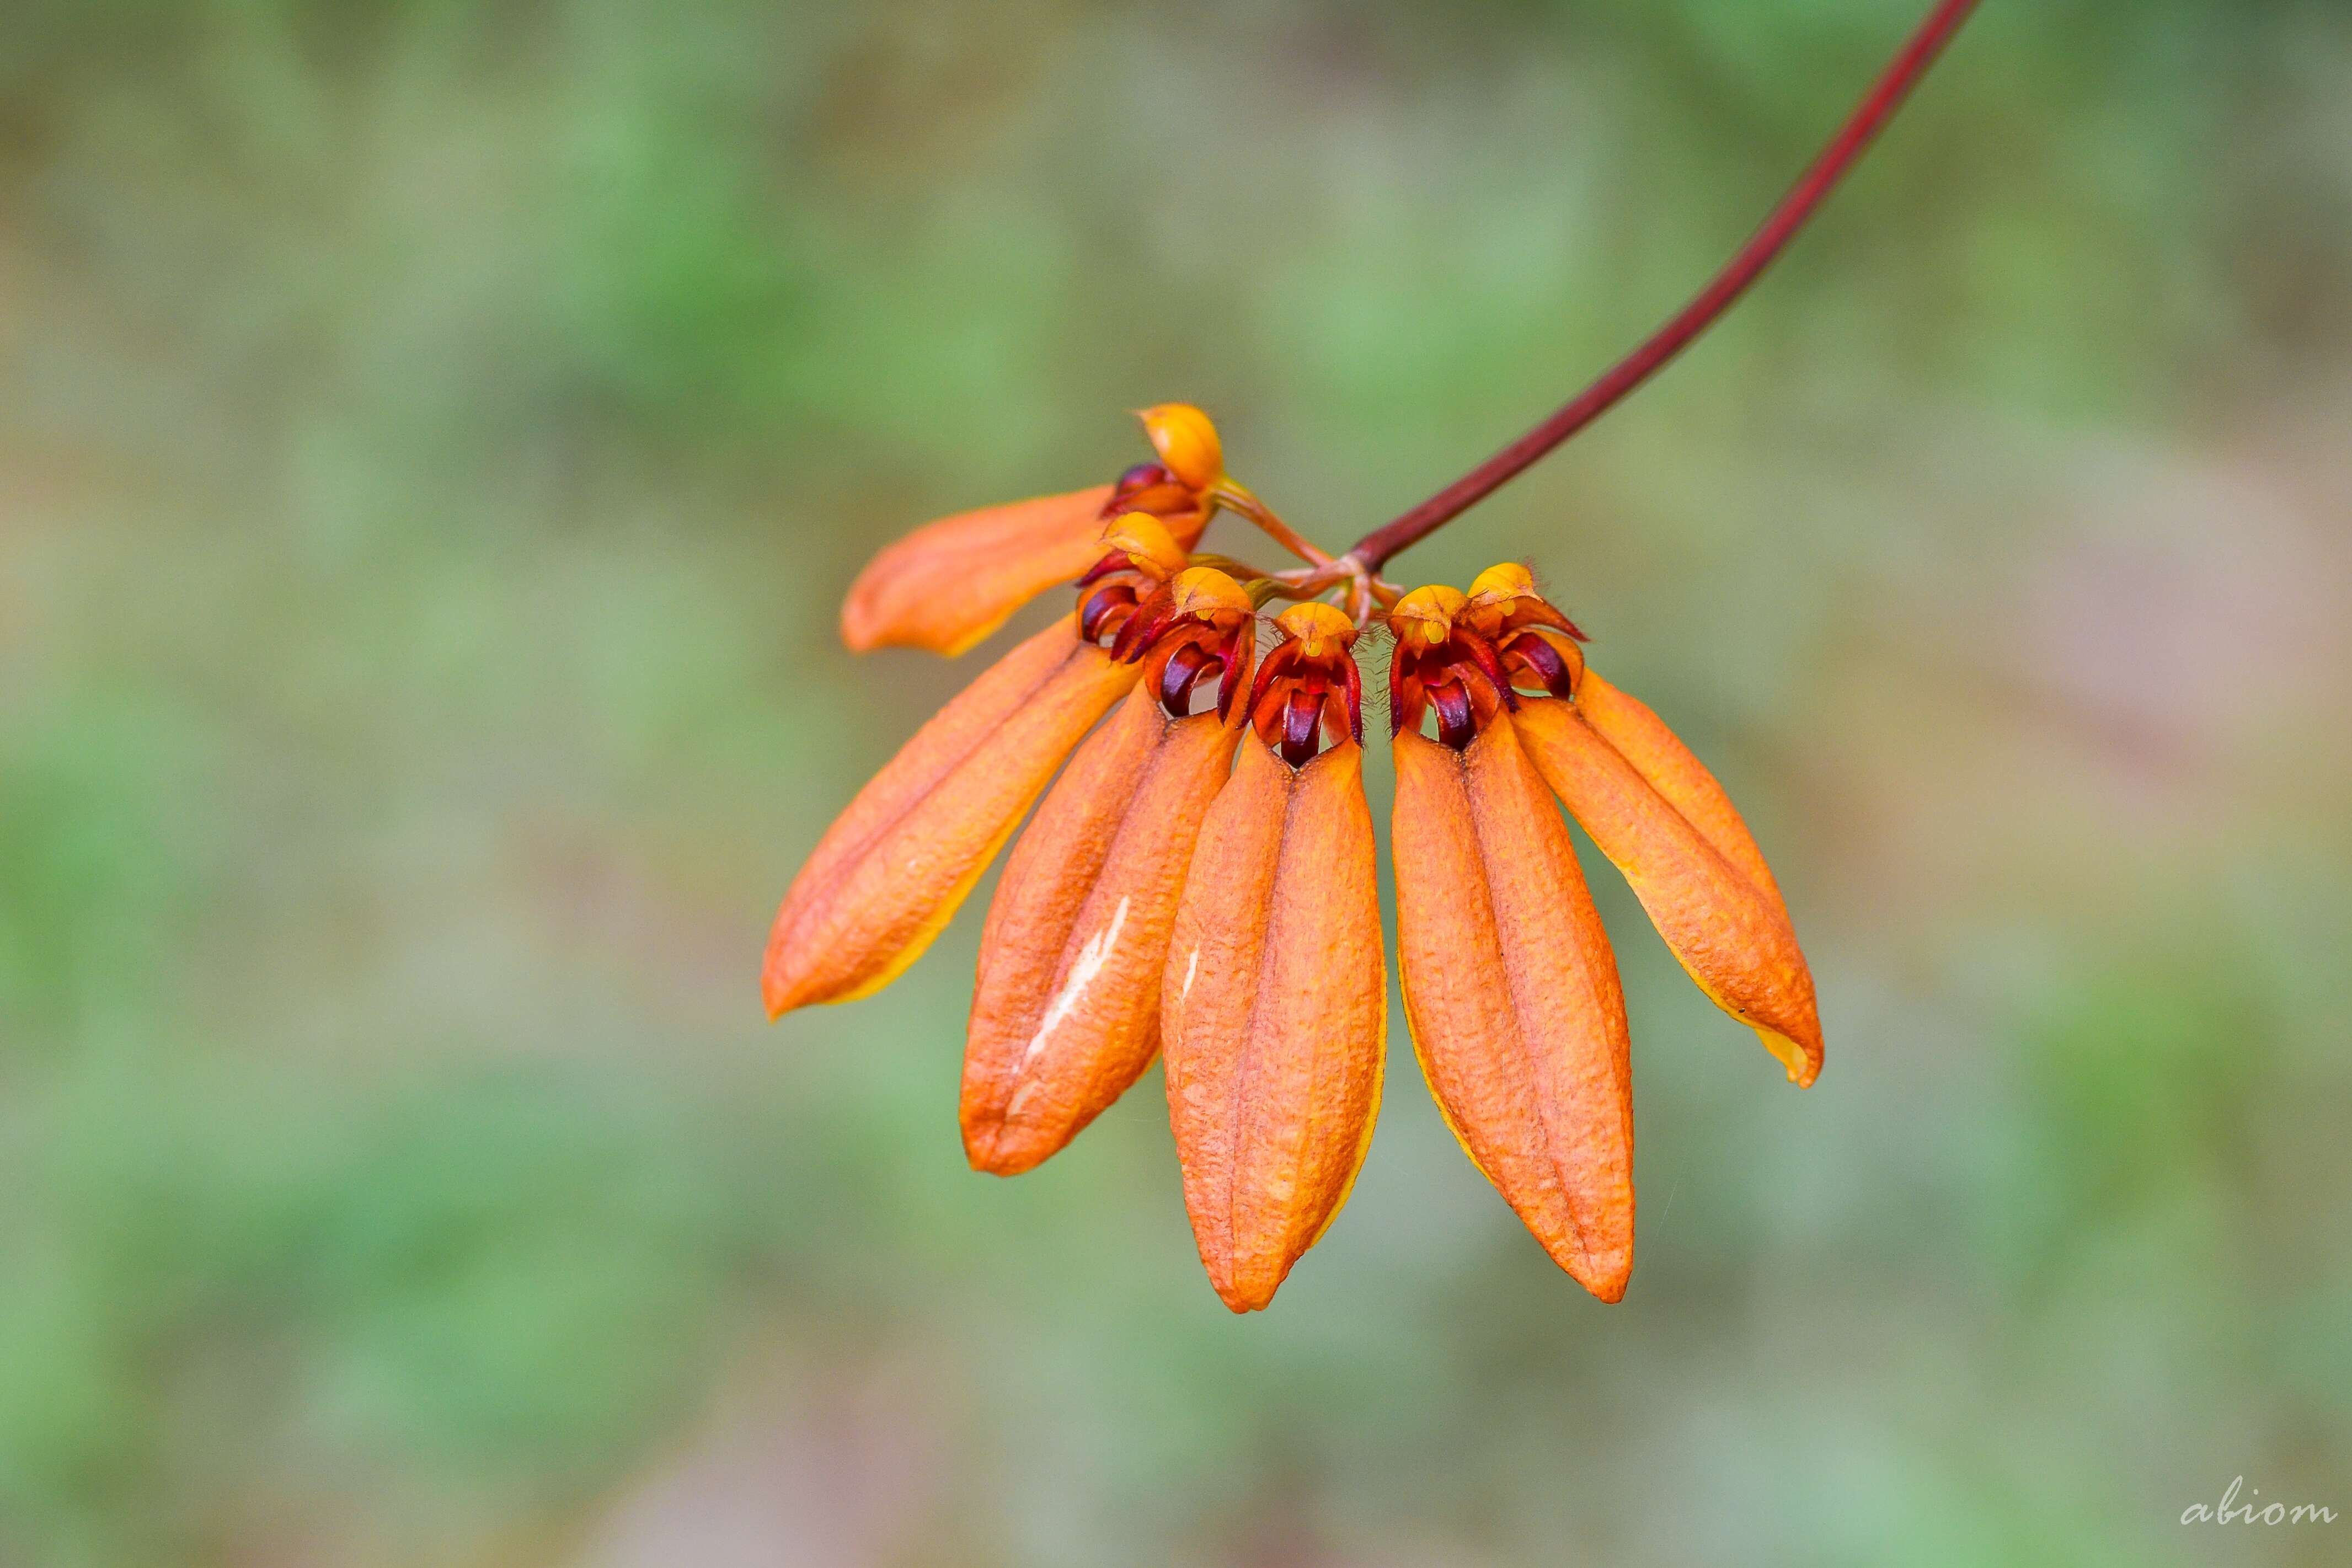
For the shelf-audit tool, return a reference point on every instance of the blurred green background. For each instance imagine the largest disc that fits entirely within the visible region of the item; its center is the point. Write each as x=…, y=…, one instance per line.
x=435, y=438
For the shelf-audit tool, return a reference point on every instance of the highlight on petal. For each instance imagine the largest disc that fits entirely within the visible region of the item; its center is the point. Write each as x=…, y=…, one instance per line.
x=1512, y=996
x=1731, y=935
x=890, y=873
x=1273, y=1014
x=1065, y=1012
x=949, y=583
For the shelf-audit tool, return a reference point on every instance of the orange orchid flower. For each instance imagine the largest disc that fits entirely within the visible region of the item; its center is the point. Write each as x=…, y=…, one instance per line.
x=1066, y=1011
x=1275, y=1002
x=949, y=584
x=1662, y=820
x=1510, y=987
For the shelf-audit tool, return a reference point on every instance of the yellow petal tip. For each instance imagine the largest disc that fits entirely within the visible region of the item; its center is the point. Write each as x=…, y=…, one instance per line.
x=1318, y=627
x=1205, y=591
x=1501, y=583
x=1145, y=541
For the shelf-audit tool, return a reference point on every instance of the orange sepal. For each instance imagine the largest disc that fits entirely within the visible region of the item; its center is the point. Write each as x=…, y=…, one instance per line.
x=1511, y=994
x=1066, y=1011
x=1659, y=756
x=1730, y=934
x=1273, y=1014
x=949, y=583
x=891, y=870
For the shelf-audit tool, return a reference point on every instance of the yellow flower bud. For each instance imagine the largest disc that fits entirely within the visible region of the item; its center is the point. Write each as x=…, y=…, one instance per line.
x=1187, y=444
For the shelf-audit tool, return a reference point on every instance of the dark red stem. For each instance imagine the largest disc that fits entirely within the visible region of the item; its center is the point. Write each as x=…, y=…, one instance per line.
x=1885, y=96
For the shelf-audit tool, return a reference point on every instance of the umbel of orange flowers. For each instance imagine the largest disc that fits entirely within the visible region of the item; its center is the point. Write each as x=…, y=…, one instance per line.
x=1199, y=882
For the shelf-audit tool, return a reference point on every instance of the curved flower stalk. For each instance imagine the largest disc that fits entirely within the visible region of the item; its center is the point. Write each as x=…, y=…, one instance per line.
x=1275, y=1001
x=1166, y=898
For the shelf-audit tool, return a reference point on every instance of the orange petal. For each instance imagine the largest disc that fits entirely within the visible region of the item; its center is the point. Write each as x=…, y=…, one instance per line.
x=1273, y=1014
x=891, y=870
x=949, y=583
x=1066, y=1013
x=1731, y=935
x=1662, y=759
x=1511, y=994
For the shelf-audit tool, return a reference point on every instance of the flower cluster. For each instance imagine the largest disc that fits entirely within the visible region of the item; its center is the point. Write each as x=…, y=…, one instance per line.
x=1200, y=880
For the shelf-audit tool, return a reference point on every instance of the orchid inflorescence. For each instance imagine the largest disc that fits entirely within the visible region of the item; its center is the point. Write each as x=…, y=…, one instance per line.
x=1200, y=880
x=1200, y=883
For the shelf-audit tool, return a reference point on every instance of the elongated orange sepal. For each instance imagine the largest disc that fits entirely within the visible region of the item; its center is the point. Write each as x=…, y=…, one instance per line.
x=949, y=583
x=1659, y=756
x=1730, y=933
x=1273, y=1014
x=1065, y=1012
x=1511, y=992
x=891, y=870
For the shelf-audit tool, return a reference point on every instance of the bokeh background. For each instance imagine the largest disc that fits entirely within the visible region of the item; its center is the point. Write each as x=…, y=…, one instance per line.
x=435, y=438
